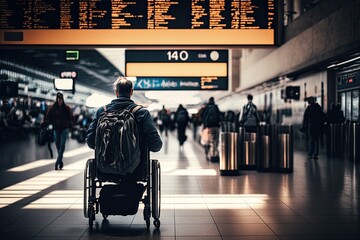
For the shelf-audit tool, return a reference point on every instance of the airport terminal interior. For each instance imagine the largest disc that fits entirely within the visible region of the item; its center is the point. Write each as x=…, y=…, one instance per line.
x=260, y=186
x=319, y=200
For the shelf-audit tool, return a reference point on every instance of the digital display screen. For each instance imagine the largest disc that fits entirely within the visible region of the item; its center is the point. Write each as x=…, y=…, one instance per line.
x=140, y=22
x=178, y=69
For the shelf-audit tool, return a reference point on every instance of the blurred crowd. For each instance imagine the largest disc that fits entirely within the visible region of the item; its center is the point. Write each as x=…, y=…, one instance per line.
x=23, y=115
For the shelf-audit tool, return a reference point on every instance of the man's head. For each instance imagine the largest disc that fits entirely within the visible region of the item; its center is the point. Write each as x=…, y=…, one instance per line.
x=250, y=97
x=211, y=99
x=310, y=100
x=123, y=87
x=59, y=98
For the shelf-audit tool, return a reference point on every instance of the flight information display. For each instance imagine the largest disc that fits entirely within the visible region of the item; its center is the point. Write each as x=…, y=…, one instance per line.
x=178, y=69
x=140, y=22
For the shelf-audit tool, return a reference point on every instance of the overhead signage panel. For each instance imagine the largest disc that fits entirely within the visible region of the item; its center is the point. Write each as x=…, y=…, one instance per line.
x=183, y=83
x=139, y=23
x=178, y=69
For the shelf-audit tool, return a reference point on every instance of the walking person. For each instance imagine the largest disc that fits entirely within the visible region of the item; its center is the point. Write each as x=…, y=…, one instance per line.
x=250, y=118
x=335, y=115
x=164, y=120
x=211, y=117
x=313, y=124
x=182, y=120
x=61, y=117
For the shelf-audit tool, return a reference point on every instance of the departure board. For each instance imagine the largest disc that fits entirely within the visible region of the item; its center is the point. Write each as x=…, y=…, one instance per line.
x=178, y=69
x=138, y=22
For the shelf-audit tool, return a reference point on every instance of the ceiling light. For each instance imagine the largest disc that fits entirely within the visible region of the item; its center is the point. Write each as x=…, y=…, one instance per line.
x=342, y=63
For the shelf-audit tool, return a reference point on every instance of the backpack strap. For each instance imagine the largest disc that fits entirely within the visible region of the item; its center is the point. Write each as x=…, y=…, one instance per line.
x=135, y=109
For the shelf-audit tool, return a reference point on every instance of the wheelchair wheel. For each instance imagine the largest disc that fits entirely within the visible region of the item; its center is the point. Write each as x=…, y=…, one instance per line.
x=89, y=192
x=91, y=215
x=156, y=191
x=87, y=187
x=147, y=215
x=157, y=223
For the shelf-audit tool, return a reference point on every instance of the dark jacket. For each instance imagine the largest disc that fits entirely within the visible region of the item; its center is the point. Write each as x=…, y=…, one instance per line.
x=60, y=117
x=182, y=111
x=314, y=119
x=146, y=124
x=206, y=112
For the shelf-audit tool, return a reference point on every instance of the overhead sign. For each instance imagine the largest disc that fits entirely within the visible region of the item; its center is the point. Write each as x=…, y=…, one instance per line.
x=178, y=69
x=64, y=84
x=139, y=23
x=68, y=74
x=72, y=55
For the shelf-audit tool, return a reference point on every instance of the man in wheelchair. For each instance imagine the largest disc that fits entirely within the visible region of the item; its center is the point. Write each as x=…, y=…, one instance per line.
x=96, y=173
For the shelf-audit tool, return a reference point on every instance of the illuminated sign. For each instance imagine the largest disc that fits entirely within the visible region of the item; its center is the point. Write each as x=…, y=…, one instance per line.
x=72, y=55
x=139, y=23
x=68, y=74
x=178, y=69
x=64, y=84
x=348, y=80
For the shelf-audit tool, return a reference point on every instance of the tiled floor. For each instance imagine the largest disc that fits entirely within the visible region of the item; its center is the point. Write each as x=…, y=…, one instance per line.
x=319, y=200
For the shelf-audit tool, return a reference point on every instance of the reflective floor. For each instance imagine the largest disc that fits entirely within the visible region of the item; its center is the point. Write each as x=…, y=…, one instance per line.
x=319, y=200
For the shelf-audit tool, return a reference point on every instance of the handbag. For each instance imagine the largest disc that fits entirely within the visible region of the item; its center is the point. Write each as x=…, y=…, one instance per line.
x=45, y=135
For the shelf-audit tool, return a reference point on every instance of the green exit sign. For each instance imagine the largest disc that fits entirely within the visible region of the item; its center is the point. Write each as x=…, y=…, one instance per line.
x=72, y=55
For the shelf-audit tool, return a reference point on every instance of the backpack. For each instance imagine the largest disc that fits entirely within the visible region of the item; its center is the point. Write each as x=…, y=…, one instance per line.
x=250, y=118
x=117, y=148
x=230, y=116
x=212, y=117
x=182, y=117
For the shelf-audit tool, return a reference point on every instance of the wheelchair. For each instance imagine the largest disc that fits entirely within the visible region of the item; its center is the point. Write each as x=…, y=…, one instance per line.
x=147, y=174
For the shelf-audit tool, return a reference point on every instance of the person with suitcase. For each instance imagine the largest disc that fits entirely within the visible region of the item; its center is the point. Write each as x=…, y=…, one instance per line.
x=211, y=117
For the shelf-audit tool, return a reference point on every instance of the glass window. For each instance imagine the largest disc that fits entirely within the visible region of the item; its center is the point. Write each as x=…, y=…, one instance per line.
x=355, y=105
x=342, y=99
x=348, y=106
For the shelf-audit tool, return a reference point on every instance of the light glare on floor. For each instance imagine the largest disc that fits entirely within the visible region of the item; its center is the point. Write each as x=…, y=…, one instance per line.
x=32, y=165
x=192, y=172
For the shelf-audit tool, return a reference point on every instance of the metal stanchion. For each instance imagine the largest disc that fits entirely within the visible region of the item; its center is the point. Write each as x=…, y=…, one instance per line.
x=249, y=153
x=241, y=135
x=264, y=165
x=285, y=150
x=228, y=153
x=264, y=156
x=354, y=153
x=336, y=139
x=274, y=129
x=227, y=126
